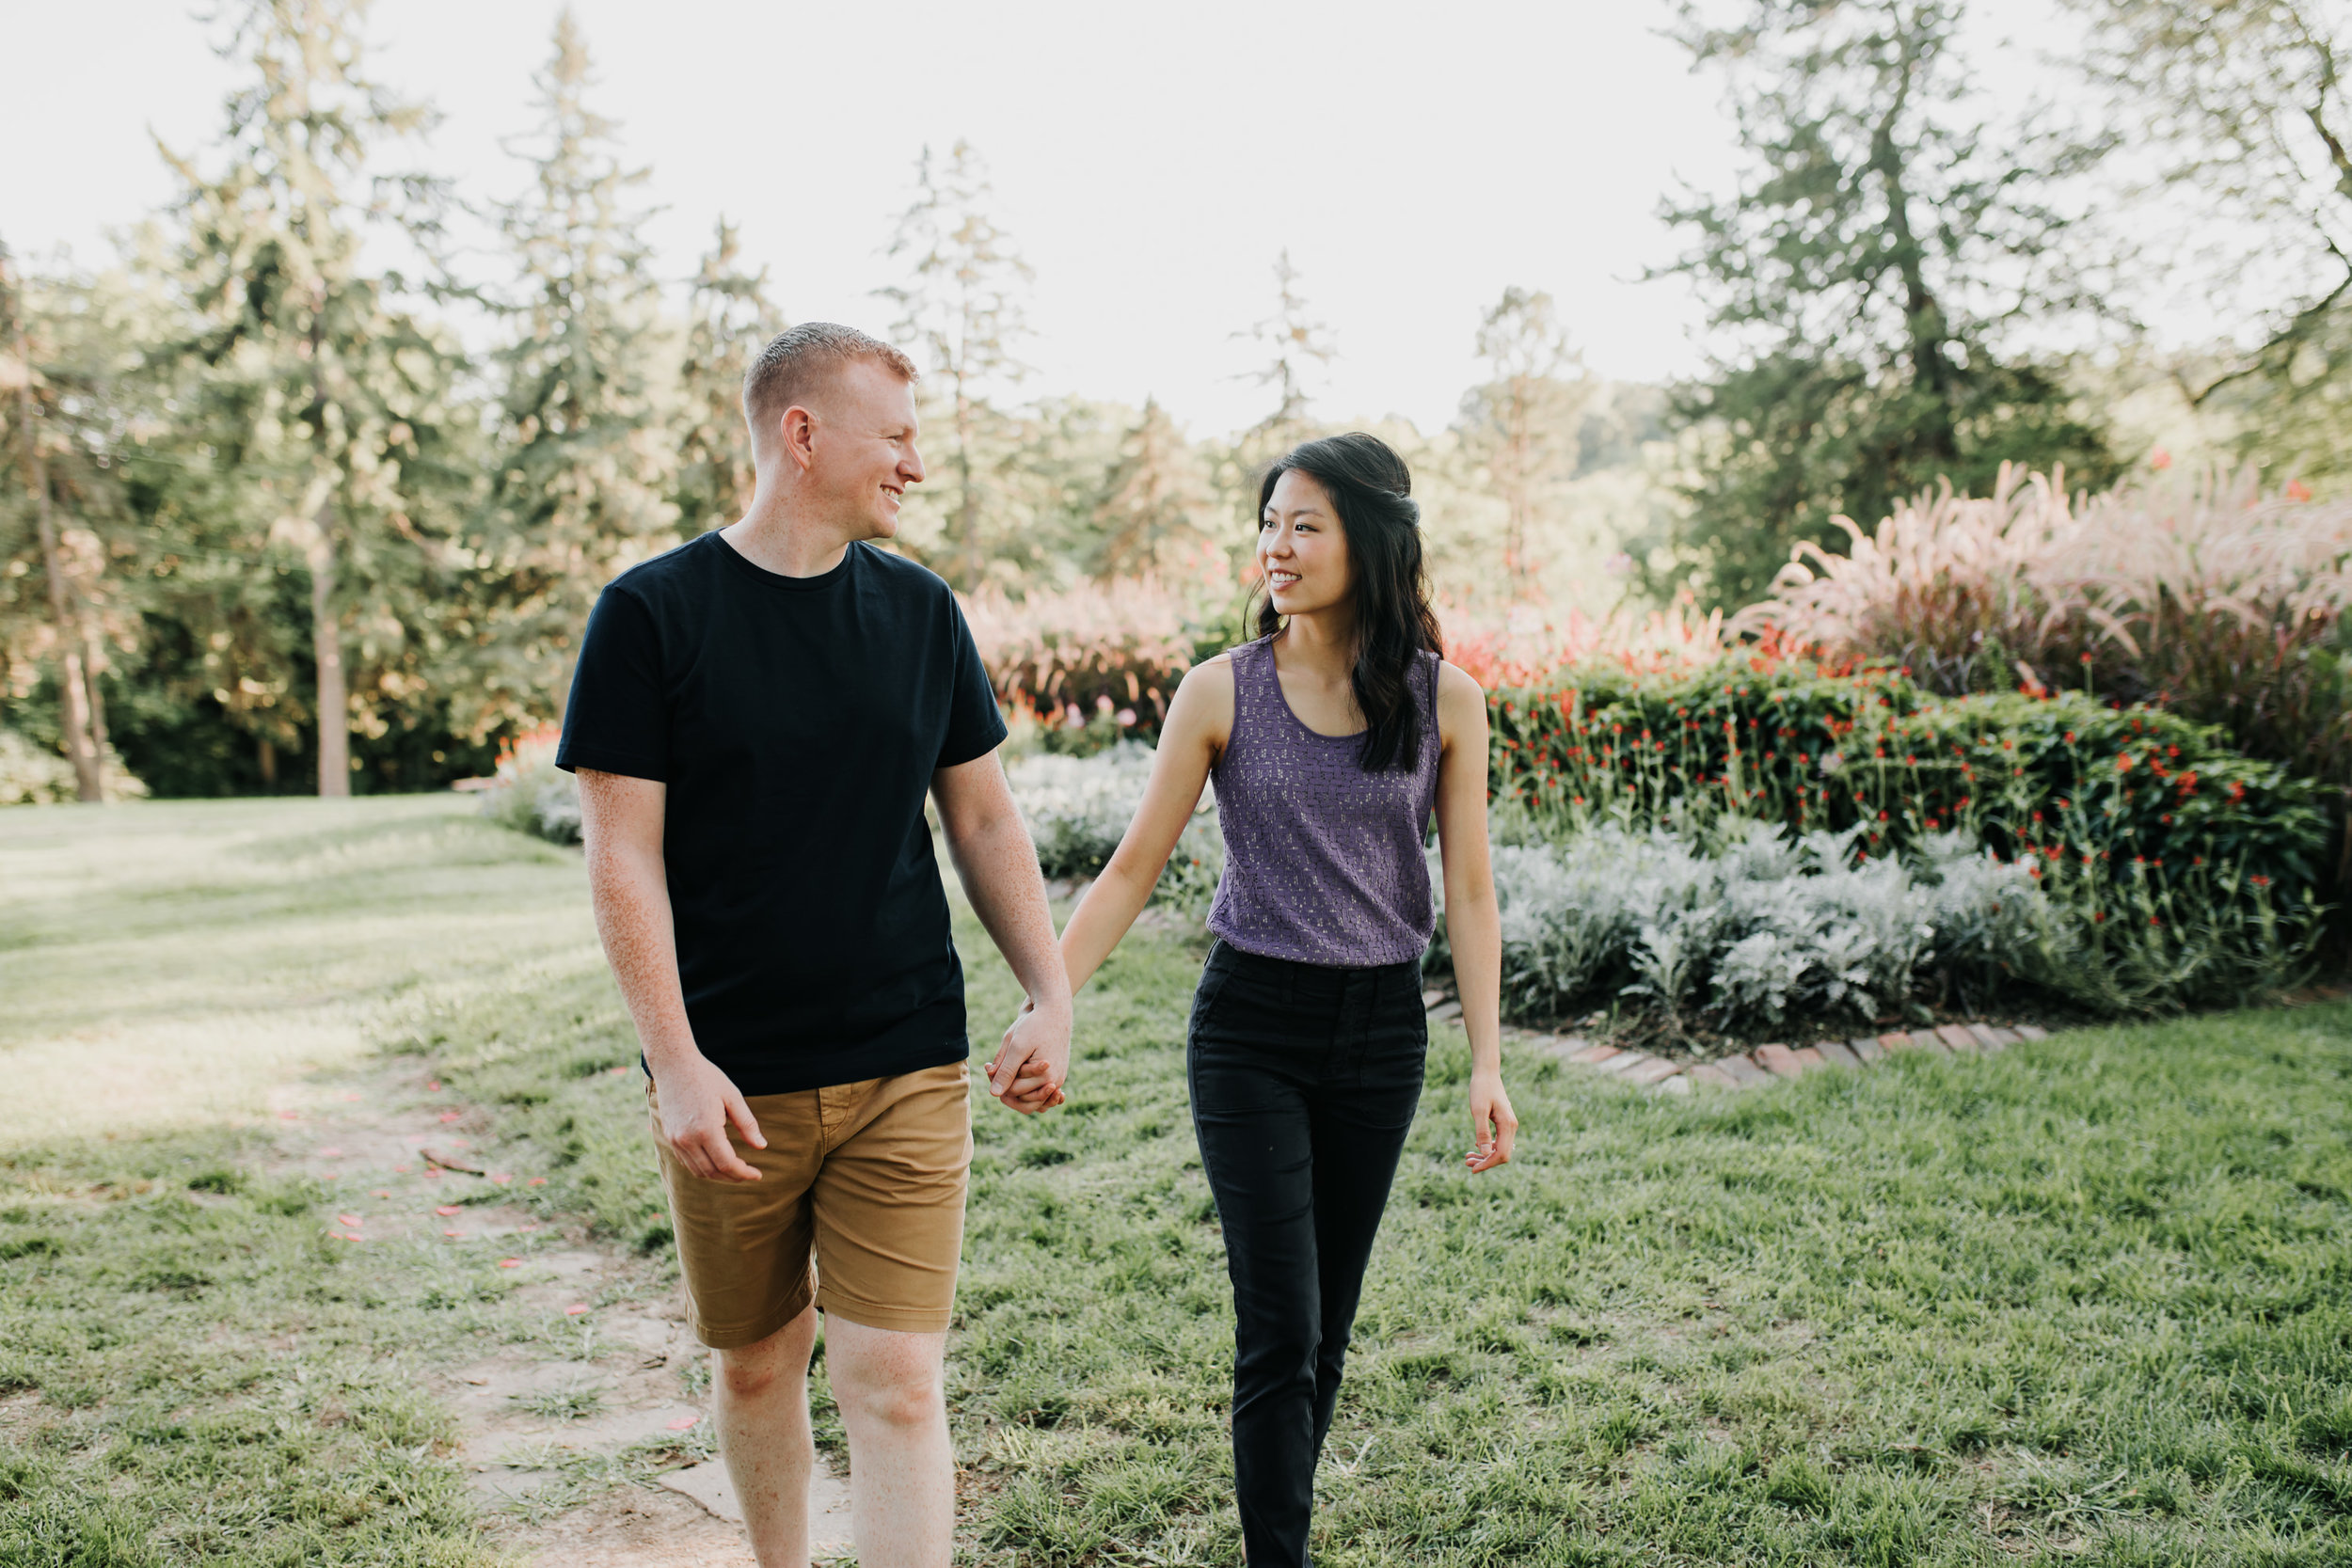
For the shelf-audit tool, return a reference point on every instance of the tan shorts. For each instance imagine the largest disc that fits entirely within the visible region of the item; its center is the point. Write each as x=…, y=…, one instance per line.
x=865, y=1180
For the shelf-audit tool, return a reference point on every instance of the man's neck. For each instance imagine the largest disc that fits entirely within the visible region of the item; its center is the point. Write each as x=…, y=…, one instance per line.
x=776, y=538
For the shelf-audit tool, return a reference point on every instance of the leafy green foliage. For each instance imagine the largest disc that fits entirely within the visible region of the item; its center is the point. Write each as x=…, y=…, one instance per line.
x=2195, y=873
x=1861, y=272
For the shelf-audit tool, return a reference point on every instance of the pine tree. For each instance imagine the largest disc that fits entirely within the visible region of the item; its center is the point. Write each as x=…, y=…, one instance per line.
x=584, y=483
x=314, y=392
x=1151, y=519
x=1522, y=425
x=729, y=320
x=962, y=308
x=1300, y=353
x=1862, y=275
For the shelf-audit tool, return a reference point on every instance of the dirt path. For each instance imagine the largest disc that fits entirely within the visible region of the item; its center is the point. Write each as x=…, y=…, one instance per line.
x=546, y=1418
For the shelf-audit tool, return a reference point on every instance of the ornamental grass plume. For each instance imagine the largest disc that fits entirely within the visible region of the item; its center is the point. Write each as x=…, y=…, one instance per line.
x=1128, y=640
x=1527, y=644
x=2199, y=593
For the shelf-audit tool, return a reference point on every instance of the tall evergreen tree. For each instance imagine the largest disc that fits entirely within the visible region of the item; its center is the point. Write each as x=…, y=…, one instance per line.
x=582, y=490
x=1520, y=425
x=2248, y=111
x=315, y=390
x=729, y=319
x=962, y=310
x=1299, y=353
x=1861, y=278
x=1152, y=515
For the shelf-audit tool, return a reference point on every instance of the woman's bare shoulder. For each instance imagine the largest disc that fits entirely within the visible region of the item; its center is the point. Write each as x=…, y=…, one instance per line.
x=1458, y=683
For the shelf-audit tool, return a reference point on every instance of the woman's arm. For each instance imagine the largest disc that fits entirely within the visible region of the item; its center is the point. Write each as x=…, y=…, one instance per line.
x=1199, y=722
x=1472, y=921
x=1200, y=719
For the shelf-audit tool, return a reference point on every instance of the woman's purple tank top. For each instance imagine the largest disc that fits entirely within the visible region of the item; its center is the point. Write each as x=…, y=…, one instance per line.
x=1322, y=861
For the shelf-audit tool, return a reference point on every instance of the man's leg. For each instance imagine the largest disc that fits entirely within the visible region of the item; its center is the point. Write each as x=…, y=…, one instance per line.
x=762, y=1395
x=903, y=1470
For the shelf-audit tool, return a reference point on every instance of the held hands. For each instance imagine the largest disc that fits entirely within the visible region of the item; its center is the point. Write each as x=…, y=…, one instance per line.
x=1492, y=1124
x=698, y=1101
x=1029, y=1069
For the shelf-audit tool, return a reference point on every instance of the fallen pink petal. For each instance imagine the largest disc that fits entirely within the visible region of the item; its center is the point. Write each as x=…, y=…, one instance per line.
x=446, y=1209
x=347, y=1219
x=510, y=1262
x=683, y=1422
x=575, y=1309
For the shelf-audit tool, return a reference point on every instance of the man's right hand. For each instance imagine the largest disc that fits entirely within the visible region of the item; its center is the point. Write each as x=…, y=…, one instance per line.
x=697, y=1101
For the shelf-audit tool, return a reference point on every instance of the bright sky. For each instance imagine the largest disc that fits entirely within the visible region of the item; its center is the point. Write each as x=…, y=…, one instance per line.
x=1150, y=160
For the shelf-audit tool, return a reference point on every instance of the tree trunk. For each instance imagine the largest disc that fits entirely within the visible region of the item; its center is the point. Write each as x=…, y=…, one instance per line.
x=81, y=744
x=326, y=648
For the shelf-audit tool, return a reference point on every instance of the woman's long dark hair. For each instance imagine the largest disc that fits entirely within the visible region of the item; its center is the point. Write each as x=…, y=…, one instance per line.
x=1371, y=488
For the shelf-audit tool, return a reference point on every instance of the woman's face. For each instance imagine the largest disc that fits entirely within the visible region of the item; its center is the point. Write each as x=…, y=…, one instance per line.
x=1302, y=548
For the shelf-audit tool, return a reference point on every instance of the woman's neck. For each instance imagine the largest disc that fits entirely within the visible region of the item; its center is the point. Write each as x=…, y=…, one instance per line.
x=1324, y=640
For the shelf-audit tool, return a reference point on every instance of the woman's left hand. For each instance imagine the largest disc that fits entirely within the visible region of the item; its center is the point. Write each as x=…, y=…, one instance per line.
x=1492, y=1124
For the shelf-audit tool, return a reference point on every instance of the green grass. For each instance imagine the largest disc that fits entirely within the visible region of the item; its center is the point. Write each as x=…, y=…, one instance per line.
x=2087, y=1301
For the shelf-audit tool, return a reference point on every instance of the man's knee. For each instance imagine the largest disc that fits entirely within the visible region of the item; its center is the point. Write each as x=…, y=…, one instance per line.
x=780, y=1358
x=893, y=1380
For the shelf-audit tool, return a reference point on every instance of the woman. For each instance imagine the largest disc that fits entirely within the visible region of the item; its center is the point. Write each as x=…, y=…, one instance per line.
x=1330, y=739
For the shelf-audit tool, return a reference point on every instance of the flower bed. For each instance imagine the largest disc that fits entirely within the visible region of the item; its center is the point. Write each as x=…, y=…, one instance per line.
x=2195, y=869
x=1078, y=807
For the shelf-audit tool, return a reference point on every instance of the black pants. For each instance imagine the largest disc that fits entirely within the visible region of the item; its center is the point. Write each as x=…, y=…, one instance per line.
x=1304, y=1082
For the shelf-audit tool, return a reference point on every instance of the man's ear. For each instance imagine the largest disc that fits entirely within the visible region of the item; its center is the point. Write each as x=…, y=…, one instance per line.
x=798, y=431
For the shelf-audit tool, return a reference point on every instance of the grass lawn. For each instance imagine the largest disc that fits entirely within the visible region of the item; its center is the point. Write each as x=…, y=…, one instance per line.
x=2087, y=1301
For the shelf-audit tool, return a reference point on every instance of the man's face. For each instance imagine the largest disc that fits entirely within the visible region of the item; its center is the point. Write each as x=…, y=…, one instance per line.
x=863, y=455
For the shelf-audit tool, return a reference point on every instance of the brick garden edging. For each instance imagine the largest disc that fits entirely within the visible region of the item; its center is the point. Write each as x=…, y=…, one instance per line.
x=1770, y=1063
x=1766, y=1062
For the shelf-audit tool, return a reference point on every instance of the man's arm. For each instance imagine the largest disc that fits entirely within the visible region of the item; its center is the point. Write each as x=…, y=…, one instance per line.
x=620, y=821
x=997, y=863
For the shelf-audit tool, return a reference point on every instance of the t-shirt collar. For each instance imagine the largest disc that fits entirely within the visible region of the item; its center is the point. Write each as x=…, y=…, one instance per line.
x=759, y=574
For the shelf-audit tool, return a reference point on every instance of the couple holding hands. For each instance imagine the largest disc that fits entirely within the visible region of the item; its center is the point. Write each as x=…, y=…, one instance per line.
x=757, y=721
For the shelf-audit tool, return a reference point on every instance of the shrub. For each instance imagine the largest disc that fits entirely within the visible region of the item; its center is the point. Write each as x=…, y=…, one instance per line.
x=2194, y=870
x=1116, y=650
x=1077, y=808
x=32, y=774
x=2200, y=594
x=530, y=794
x=1772, y=927
x=1821, y=749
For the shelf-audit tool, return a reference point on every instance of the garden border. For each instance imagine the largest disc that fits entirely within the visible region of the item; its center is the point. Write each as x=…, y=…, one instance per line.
x=1771, y=1063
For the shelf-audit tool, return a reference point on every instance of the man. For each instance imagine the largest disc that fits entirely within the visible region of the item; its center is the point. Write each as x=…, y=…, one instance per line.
x=757, y=718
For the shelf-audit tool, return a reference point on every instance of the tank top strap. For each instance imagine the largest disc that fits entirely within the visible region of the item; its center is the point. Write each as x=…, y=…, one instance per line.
x=1253, y=685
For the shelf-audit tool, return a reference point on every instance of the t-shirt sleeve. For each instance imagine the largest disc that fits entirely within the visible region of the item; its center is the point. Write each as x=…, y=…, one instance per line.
x=617, y=721
x=975, y=727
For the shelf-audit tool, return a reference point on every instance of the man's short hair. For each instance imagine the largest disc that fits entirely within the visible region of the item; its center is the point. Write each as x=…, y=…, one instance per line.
x=800, y=359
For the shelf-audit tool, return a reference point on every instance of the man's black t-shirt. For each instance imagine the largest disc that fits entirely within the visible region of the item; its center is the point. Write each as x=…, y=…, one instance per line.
x=797, y=723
